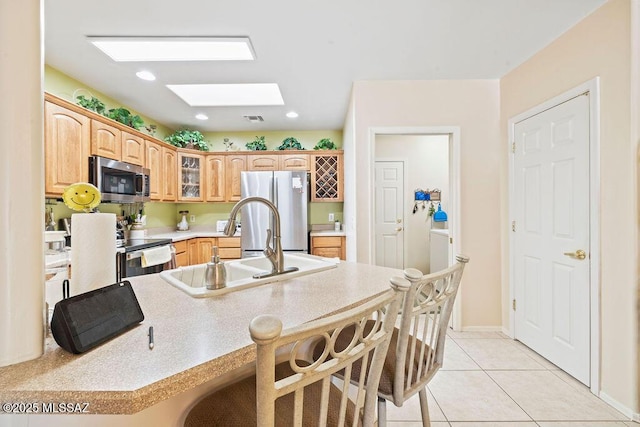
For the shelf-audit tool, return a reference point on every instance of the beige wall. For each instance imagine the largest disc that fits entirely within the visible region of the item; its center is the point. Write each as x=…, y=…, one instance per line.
x=471, y=105
x=426, y=163
x=597, y=46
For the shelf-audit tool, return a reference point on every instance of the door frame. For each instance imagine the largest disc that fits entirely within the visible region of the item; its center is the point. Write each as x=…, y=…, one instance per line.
x=454, y=187
x=404, y=162
x=592, y=87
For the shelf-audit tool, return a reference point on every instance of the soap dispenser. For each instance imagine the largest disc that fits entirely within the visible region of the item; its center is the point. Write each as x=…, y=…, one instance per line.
x=216, y=275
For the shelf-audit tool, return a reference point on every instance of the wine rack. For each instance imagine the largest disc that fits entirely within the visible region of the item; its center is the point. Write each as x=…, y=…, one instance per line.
x=327, y=179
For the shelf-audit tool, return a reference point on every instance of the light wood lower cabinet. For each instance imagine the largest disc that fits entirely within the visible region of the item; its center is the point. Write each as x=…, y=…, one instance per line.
x=329, y=246
x=182, y=255
x=200, y=250
x=229, y=247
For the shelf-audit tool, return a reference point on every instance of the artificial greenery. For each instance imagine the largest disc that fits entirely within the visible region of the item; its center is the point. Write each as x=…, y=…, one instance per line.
x=124, y=116
x=181, y=138
x=257, y=144
x=93, y=104
x=290, y=144
x=325, y=144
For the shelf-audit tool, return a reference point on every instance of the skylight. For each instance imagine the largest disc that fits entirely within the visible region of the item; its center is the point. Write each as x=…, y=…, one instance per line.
x=224, y=95
x=128, y=49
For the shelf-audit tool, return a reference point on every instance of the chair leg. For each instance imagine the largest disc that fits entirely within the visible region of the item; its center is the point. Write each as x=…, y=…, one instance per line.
x=424, y=408
x=382, y=412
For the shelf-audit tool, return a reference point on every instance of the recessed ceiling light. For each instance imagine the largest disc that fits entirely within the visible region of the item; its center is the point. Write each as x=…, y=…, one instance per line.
x=219, y=95
x=146, y=75
x=292, y=114
x=201, y=116
x=175, y=48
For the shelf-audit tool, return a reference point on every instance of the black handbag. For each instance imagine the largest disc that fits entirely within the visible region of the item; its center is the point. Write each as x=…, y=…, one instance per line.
x=84, y=321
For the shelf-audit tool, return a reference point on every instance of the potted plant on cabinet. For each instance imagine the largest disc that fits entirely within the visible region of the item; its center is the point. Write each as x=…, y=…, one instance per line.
x=186, y=138
x=93, y=104
x=125, y=117
x=257, y=144
x=325, y=144
x=290, y=143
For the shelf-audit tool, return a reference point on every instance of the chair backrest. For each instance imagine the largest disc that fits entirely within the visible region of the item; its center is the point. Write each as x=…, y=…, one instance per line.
x=426, y=310
x=267, y=332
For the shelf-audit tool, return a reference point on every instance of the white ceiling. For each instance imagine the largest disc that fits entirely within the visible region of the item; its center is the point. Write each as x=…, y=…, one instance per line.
x=313, y=50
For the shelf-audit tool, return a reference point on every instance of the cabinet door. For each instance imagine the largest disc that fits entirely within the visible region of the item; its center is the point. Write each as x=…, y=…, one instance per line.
x=154, y=163
x=190, y=177
x=182, y=259
x=67, y=139
x=205, y=251
x=294, y=162
x=192, y=251
x=327, y=252
x=327, y=178
x=234, y=164
x=169, y=171
x=264, y=162
x=106, y=140
x=132, y=149
x=215, y=180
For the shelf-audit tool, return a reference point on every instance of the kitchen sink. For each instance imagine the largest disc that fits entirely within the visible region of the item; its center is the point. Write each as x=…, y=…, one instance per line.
x=240, y=273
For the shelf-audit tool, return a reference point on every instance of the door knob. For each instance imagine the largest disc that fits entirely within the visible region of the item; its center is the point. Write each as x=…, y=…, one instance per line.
x=399, y=229
x=579, y=254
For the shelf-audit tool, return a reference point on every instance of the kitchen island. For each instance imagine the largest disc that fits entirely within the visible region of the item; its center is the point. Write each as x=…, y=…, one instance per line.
x=200, y=344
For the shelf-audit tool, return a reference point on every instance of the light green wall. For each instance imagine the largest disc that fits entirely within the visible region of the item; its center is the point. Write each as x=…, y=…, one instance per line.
x=319, y=212
x=307, y=138
x=64, y=86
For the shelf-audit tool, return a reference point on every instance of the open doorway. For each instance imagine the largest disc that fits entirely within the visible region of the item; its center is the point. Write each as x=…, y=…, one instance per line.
x=409, y=169
x=409, y=146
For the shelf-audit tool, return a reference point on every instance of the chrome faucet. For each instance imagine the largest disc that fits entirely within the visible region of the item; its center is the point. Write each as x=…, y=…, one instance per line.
x=273, y=254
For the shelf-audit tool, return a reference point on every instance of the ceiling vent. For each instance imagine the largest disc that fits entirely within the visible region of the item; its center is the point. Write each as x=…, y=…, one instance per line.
x=254, y=119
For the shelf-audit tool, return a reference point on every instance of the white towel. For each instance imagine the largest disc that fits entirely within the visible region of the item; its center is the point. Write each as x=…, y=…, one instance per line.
x=155, y=256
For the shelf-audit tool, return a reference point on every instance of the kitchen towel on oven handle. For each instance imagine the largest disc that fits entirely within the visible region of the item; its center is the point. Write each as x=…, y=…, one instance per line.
x=155, y=256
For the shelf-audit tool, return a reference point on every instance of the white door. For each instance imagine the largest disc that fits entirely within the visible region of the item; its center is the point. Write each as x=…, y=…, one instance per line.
x=389, y=214
x=551, y=253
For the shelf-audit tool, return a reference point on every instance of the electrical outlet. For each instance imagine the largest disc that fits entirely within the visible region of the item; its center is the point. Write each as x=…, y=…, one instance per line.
x=192, y=218
x=331, y=217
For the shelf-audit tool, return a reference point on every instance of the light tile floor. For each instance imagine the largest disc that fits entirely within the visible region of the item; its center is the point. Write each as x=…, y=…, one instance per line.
x=490, y=380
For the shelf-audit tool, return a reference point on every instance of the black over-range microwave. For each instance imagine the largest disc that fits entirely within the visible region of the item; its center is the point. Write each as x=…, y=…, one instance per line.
x=119, y=182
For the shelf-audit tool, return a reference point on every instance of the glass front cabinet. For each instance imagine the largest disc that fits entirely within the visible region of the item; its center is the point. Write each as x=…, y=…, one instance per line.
x=190, y=177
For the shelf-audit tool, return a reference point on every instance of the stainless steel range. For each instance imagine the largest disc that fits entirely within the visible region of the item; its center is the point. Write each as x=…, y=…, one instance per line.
x=130, y=261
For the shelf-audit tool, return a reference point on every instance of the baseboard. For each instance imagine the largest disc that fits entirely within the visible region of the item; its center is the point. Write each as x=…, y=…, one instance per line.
x=507, y=331
x=482, y=329
x=627, y=412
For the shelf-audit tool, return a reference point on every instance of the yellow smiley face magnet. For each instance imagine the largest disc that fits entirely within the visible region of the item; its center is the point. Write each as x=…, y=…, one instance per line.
x=81, y=196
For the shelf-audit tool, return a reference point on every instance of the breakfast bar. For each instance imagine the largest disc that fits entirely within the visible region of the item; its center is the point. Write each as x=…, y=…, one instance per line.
x=199, y=344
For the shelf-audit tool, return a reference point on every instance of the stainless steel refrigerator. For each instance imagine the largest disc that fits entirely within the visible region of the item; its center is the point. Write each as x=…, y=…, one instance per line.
x=289, y=191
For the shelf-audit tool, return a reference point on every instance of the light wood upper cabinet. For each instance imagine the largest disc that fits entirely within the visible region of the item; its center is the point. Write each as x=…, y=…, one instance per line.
x=133, y=149
x=234, y=164
x=169, y=174
x=327, y=177
x=106, y=140
x=294, y=162
x=215, y=179
x=264, y=162
x=67, y=140
x=190, y=177
x=154, y=164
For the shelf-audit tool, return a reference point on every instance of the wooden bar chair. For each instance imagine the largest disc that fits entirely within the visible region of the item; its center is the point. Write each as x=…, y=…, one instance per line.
x=299, y=391
x=416, y=350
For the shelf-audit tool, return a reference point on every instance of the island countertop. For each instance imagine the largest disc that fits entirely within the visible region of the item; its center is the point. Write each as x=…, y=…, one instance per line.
x=196, y=340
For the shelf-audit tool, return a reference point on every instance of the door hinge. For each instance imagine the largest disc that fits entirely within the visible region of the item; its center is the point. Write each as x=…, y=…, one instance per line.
x=513, y=304
x=513, y=147
x=513, y=226
x=451, y=240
